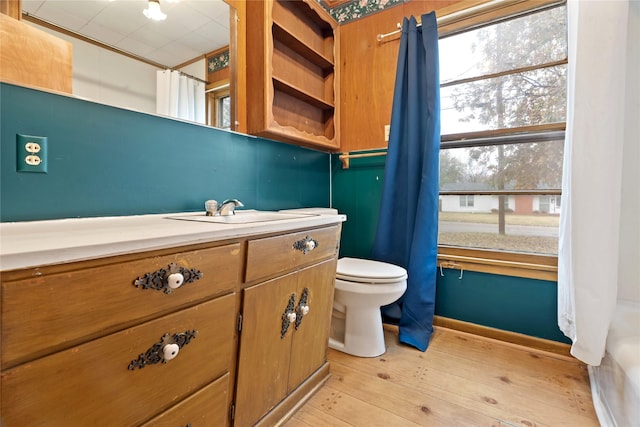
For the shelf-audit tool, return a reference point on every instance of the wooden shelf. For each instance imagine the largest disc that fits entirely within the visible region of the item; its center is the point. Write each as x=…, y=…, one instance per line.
x=296, y=92
x=301, y=119
x=298, y=46
x=309, y=24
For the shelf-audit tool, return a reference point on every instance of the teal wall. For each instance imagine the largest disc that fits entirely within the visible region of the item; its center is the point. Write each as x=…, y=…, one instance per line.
x=526, y=306
x=517, y=304
x=357, y=192
x=109, y=161
x=106, y=161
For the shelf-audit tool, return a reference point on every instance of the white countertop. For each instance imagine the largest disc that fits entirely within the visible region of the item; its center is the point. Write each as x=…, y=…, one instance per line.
x=38, y=243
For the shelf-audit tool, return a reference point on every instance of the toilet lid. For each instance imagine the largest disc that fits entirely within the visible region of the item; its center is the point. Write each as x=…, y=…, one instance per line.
x=368, y=271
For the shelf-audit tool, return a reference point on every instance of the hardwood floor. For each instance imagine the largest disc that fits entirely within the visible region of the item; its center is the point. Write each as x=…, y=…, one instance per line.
x=461, y=380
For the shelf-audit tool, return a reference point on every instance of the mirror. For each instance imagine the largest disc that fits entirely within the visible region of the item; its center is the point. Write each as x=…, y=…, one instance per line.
x=117, y=50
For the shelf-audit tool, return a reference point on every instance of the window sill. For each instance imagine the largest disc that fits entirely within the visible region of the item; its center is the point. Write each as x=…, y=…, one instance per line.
x=532, y=266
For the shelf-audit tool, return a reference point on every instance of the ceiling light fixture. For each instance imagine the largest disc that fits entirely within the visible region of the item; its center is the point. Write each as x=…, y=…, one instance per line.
x=154, y=12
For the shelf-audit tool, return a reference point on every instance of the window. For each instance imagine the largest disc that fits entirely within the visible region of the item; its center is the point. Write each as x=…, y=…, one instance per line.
x=223, y=111
x=219, y=107
x=549, y=204
x=466, y=201
x=503, y=87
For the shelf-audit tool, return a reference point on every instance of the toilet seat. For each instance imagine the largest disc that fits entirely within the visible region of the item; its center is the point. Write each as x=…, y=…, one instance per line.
x=369, y=272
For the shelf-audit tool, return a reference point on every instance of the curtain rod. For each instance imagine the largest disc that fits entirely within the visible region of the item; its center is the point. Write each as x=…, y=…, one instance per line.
x=42, y=22
x=479, y=9
x=447, y=19
x=525, y=134
x=186, y=75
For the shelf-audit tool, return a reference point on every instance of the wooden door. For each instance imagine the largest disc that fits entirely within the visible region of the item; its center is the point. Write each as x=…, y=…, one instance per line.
x=310, y=339
x=264, y=356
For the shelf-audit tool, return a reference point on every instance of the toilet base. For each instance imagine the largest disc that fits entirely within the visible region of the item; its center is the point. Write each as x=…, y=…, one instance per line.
x=362, y=334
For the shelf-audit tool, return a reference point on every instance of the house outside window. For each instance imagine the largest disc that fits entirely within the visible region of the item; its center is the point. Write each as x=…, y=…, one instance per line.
x=503, y=100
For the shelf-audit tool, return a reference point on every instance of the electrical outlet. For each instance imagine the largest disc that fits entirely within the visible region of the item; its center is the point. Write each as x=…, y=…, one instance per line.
x=387, y=129
x=31, y=153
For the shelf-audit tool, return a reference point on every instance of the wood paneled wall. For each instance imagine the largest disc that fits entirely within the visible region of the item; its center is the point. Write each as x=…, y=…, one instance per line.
x=31, y=57
x=368, y=70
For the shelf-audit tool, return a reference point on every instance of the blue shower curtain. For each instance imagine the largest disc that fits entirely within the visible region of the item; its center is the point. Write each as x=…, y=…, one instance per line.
x=407, y=230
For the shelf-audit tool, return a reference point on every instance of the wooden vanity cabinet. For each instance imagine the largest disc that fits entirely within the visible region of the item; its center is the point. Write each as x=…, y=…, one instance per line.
x=293, y=87
x=282, y=360
x=108, y=342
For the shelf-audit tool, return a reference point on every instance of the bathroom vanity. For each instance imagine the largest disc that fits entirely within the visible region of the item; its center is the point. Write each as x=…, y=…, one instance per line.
x=148, y=320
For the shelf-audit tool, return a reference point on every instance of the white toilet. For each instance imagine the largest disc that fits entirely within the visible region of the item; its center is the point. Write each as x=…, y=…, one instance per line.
x=362, y=287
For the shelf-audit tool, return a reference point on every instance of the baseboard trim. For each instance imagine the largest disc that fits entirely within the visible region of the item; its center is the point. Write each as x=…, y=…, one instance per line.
x=548, y=347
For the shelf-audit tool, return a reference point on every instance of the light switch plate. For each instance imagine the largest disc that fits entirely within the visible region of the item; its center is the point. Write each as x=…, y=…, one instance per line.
x=31, y=153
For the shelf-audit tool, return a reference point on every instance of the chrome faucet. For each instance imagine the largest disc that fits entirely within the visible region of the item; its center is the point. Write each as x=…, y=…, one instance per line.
x=226, y=208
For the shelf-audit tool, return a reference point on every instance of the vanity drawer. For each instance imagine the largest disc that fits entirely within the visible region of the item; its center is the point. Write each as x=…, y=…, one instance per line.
x=208, y=407
x=272, y=255
x=96, y=384
x=52, y=312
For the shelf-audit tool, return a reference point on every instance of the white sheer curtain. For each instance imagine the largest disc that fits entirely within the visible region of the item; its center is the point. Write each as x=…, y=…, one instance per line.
x=590, y=226
x=180, y=96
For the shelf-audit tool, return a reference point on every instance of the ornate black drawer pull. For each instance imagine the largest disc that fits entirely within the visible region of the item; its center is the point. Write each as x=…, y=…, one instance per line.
x=303, y=308
x=163, y=351
x=306, y=245
x=167, y=279
x=289, y=316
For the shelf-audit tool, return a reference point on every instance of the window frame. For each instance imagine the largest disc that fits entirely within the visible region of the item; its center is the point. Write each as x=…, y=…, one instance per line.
x=529, y=265
x=214, y=93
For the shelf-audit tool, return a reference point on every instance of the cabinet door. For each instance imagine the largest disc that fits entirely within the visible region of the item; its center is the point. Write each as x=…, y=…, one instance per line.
x=264, y=352
x=310, y=339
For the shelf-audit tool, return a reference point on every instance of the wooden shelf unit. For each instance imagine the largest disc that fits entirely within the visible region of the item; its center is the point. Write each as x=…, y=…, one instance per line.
x=293, y=87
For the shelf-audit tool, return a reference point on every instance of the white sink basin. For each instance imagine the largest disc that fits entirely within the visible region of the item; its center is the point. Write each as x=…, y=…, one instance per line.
x=244, y=217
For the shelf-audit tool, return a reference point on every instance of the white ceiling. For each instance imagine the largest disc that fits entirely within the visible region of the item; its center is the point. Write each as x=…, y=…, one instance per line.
x=192, y=27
